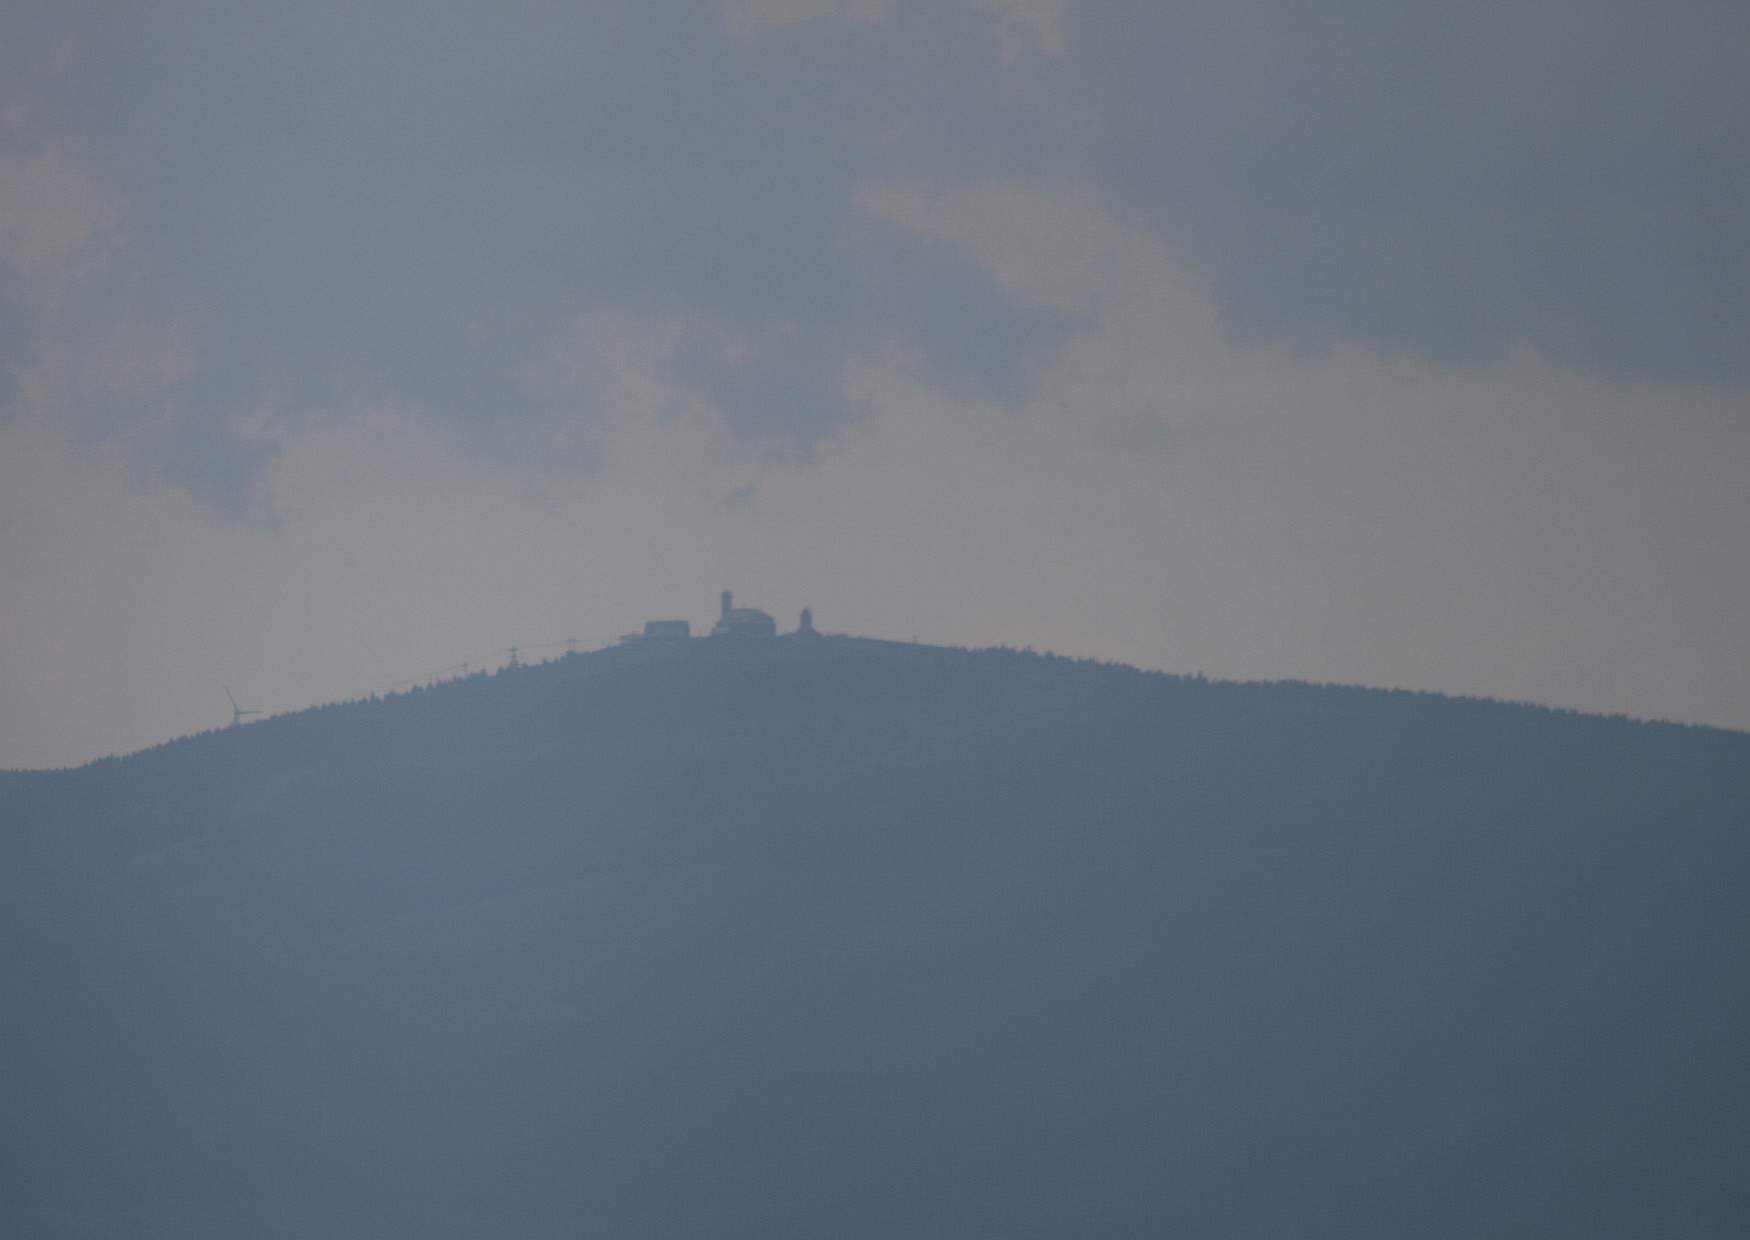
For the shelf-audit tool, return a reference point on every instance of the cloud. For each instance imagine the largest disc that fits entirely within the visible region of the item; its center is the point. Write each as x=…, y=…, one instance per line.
x=405, y=205
x=1449, y=182
x=340, y=208
x=50, y=212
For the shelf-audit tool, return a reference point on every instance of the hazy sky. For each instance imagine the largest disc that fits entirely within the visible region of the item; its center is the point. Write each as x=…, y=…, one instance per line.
x=1398, y=343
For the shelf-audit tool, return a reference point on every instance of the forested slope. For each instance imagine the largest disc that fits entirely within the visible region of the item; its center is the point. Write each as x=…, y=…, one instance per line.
x=847, y=938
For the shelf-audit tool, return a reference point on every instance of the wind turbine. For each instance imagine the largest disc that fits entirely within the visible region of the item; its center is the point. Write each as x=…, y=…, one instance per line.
x=238, y=714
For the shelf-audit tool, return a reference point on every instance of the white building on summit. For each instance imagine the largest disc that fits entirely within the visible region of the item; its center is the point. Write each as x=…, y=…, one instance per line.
x=743, y=621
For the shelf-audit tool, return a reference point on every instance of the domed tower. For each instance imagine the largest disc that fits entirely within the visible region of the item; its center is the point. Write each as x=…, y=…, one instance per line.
x=805, y=628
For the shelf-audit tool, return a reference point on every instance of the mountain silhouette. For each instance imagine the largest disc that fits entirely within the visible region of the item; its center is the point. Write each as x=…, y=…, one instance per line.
x=837, y=937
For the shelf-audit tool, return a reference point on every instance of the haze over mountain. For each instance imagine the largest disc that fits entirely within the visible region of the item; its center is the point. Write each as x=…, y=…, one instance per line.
x=837, y=937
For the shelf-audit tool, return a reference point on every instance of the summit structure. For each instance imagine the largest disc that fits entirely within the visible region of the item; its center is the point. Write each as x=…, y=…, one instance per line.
x=743, y=621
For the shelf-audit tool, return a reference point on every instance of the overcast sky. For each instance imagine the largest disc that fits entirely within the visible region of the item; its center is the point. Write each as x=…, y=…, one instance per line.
x=1366, y=341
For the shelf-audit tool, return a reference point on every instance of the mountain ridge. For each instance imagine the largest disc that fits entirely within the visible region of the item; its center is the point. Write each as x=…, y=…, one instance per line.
x=833, y=936
x=842, y=642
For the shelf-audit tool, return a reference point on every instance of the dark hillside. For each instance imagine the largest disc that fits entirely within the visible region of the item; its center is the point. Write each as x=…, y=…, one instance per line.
x=847, y=938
